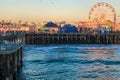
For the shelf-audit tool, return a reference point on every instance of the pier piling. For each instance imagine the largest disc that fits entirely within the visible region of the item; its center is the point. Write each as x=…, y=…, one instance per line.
x=10, y=64
x=72, y=38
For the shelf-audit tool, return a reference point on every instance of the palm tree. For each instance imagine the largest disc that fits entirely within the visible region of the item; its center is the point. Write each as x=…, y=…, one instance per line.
x=32, y=23
x=20, y=22
x=3, y=22
x=26, y=23
x=33, y=26
x=9, y=24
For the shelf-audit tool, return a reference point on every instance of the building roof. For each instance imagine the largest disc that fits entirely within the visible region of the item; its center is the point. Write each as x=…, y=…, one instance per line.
x=51, y=24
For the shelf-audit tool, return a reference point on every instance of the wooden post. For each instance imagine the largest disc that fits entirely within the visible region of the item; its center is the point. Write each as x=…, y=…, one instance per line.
x=1, y=66
x=11, y=63
x=4, y=67
x=14, y=69
x=53, y=39
x=7, y=74
x=18, y=60
x=115, y=39
x=21, y=56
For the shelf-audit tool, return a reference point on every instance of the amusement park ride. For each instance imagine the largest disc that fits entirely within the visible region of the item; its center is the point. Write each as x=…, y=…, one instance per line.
x=102, y=15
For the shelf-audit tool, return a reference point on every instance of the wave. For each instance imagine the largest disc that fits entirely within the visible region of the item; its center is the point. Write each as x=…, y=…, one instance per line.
x=68, y=60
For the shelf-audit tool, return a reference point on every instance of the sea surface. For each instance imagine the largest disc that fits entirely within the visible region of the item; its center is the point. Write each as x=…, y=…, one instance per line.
x=71, y=62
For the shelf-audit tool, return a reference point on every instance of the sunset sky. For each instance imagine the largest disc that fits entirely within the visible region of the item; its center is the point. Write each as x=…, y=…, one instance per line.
x=50, y=10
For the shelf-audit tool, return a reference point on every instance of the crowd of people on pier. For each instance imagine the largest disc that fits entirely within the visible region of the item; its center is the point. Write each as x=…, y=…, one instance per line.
x=65, y=29
x=51, y=27
x=11, y=36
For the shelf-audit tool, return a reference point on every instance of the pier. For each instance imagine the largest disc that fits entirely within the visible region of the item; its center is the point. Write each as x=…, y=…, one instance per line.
x=72, y=38
x=11, y=51
x=11, y=47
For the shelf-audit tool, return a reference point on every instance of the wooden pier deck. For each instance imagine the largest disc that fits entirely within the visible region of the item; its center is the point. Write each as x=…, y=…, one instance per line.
x=74, y=38
x=11, y=50
x=10, y=60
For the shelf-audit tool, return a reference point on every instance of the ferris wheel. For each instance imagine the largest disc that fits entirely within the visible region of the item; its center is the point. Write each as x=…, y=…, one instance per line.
x=100, y=13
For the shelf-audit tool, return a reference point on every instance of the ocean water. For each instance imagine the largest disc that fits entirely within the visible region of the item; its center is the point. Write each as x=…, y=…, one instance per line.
x=71, y=62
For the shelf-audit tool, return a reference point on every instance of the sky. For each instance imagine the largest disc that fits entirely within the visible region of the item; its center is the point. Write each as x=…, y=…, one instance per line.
x=50, y=10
